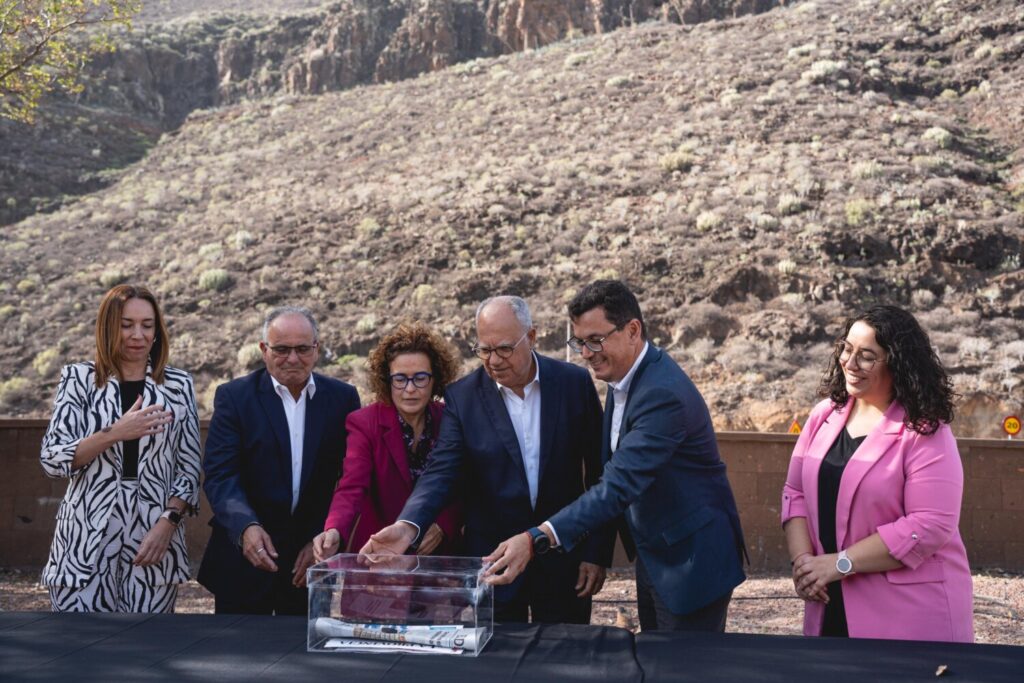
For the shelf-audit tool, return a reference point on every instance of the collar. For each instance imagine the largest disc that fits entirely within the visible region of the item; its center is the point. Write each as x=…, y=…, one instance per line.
x=622, y=386
x=309, y=389
x=535, y=380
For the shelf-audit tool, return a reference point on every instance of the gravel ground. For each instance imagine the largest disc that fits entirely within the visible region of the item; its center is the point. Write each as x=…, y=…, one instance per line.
x=763, y=604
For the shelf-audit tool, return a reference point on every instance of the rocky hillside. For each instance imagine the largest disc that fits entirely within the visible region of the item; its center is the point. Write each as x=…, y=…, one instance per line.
x=756, y=179
x=189, y=55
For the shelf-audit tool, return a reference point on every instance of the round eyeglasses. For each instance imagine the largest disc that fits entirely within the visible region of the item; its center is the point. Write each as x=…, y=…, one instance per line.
x=595, y=344
x=864, y=361
x=503, y=350
x=419, y=380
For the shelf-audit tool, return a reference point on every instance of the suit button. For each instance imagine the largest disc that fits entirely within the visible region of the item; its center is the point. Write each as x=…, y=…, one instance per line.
x=913, y=536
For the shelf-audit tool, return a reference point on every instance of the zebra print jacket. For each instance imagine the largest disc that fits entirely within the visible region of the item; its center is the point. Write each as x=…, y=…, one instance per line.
x=169, y=464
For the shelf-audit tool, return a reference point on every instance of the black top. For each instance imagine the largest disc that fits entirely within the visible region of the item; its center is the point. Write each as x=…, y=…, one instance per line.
x=417, y=452
x=130, y=391
x=829, y=477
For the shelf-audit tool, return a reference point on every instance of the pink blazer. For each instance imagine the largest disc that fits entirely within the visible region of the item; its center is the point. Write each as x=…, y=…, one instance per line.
x=906, y=487
x=375, y=481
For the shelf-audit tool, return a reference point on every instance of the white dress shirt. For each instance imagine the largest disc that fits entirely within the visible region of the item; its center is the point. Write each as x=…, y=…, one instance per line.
x=525, y=415
x=295, y=413
x=620, y=392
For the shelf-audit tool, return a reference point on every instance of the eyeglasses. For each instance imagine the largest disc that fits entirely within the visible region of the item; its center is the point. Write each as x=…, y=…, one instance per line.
x=503, y=351
x=595, y=344
x=303, y=350
x=419, y=380
x=863, y=362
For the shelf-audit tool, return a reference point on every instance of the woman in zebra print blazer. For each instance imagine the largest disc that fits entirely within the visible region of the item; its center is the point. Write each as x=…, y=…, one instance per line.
x=125, y=432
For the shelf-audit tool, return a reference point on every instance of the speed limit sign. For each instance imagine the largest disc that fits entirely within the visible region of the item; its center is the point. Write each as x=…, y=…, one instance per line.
x=1011, y=425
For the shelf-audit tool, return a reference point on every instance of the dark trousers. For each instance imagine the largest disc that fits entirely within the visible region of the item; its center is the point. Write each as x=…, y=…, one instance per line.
x=656, y=616
x=541, y=600
x=283, y=598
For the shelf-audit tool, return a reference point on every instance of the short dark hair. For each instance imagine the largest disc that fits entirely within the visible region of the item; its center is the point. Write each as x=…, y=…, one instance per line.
x=919, y=382
x=619, y=304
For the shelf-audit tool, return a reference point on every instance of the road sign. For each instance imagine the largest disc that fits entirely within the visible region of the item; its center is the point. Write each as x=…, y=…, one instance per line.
x=1011, y=425
x=795, y=427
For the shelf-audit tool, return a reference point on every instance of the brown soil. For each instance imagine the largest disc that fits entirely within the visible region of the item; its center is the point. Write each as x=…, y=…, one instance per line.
x=763, y=604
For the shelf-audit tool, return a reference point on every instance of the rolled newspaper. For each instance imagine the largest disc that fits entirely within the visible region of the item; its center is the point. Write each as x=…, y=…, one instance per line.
x=448, y=636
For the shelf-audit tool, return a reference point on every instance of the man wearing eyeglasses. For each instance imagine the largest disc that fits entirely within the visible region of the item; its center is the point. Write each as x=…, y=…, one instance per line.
x=273, y=455
x=521, y=435
x=664, y=483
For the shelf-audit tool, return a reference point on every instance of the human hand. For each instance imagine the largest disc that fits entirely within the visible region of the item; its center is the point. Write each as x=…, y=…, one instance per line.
x=812, y=574
x=303, y=561
x=258, y=548
x=590, y=581
x=154, y=544
x=431, y=540
x=394, y=539
x=326, y=544
x=139, y=421
x=510, y=559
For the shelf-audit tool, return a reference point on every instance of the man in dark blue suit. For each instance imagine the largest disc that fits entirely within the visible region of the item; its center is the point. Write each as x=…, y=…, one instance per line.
x=520, y=439
x=662, y=473
x=273, y=455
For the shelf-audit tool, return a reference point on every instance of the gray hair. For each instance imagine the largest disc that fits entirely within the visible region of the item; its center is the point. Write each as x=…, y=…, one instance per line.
x=518, y=305
x=290, y=310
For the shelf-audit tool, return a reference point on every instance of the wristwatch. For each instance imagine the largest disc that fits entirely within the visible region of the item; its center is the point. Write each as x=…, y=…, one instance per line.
x=172, y=516
x=541, y=542
x=843, y=564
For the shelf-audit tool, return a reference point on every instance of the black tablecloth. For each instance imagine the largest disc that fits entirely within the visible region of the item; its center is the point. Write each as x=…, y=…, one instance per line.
x=129, y=647
x=125, y=648
x=708, y=658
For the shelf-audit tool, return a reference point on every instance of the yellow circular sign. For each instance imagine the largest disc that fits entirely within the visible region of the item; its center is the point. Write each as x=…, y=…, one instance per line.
x=1011, y=425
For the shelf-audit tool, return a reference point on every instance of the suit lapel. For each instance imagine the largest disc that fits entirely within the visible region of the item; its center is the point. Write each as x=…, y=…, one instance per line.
x=821, y=441
x=316, y=418
x=550, y=404
x=274, y=410
x=606, y=425
x=880, y=440
x=151, y=395
x=653, y=355
x=391, y=434
x=494, y=406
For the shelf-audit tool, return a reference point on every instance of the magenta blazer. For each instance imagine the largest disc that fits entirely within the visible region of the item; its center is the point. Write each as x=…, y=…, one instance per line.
x=375, y=481
x=906, y=487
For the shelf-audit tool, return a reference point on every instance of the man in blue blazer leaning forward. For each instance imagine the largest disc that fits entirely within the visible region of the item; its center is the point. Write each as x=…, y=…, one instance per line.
x=521, y=438
x=662, y=473
x=273, y=456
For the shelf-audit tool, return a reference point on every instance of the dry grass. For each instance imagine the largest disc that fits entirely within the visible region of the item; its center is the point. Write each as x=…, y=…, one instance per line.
x=519, y=174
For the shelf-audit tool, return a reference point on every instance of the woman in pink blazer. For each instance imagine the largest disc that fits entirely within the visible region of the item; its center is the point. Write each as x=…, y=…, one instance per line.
x=871, y=503
x=389, y=443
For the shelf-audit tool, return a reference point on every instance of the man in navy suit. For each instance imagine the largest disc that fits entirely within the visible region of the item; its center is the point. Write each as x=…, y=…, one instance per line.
x=520, y=438
x=273, y=455
x=661, y=469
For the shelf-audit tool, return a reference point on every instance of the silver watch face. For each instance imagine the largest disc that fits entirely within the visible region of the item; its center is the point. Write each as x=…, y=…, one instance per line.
x=844, y=565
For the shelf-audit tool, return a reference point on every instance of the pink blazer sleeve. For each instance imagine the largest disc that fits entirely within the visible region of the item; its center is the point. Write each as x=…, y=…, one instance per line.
x=357, y=473
x=932, y=493
x=794, y=504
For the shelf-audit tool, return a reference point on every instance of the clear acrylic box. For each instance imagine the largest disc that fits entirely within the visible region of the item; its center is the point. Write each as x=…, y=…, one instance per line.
x=399, y=603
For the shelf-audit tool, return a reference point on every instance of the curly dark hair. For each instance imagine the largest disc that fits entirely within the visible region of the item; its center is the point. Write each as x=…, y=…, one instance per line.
x=412, y=337
x=919, y=382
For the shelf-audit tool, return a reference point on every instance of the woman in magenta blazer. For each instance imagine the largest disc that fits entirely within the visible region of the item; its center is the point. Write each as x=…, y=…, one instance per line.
x=871, y=503
x=389, y=443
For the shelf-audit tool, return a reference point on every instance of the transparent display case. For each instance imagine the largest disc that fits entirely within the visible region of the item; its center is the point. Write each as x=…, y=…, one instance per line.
x=405, y=603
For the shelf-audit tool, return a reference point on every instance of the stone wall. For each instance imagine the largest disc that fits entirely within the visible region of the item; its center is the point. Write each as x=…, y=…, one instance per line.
x=990, y=521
